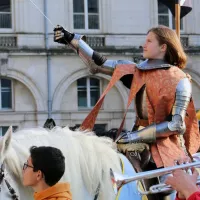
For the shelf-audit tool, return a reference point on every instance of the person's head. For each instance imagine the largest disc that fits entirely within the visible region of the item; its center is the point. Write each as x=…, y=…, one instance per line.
x=163, y=43
x=45, y=165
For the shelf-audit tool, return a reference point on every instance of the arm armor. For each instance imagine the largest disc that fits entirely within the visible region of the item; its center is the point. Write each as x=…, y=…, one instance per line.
x=92, y=58
x=96, y=61
x=167, y=128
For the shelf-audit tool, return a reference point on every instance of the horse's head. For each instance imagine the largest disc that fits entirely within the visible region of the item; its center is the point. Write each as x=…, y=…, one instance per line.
x=5, y=144
x=7, y=191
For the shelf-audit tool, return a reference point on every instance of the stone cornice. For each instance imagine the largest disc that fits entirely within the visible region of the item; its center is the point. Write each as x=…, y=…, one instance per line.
x=67, y=51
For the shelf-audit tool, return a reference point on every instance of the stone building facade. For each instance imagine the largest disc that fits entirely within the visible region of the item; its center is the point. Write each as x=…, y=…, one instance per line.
x=41, y=79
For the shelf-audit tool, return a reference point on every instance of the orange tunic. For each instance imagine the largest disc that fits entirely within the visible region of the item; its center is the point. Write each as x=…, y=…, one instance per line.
x=60, y=191
x=161, y=89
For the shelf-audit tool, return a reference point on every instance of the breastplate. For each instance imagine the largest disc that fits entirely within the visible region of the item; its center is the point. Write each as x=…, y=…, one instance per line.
x=141, y=104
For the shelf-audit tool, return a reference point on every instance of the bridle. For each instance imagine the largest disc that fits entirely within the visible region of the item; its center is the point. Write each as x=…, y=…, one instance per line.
x=3, y=178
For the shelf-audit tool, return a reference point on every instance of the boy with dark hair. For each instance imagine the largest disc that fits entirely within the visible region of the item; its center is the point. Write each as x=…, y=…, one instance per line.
x=42, y=171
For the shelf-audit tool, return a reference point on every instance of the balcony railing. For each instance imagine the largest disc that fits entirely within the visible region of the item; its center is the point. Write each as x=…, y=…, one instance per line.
x=5, y=20
x=96, y=41
x=8, y=41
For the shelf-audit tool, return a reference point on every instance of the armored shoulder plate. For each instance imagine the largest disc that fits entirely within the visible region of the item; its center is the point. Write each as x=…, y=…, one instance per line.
x=183, y=95
x=153, y=64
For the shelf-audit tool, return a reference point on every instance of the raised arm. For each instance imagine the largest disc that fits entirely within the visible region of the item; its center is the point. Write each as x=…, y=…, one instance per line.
x=95, y=61
x=166, y=128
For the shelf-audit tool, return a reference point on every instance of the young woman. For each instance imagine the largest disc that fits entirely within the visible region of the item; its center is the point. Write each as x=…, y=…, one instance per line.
x=166, y=116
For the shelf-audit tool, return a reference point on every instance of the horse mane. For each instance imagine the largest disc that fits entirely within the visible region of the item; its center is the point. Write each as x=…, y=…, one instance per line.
x=88, y=158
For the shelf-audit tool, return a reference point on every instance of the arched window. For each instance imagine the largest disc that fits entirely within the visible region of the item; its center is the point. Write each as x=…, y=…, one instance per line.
x=86, y=14
x=5, y=94
x=88, y=92
x=166, y=18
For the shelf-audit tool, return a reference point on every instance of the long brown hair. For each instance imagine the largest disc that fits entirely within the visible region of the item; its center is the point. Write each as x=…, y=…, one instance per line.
x=175, y=54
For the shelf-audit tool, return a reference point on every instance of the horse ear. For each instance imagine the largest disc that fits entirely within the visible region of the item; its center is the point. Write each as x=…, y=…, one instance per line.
x=5, y=143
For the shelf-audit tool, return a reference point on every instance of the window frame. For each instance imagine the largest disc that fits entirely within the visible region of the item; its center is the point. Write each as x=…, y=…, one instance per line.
x=6, y=109
x=86, y=19
x=9, y=30
x=88, y=88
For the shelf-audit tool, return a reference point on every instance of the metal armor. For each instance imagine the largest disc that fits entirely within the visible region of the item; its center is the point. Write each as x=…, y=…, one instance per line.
x=166, y=128
x=92, y=58
x=153, y=64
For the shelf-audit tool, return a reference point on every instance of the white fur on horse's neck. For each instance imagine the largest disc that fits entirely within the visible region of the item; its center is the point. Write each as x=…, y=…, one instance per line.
x=88, y=159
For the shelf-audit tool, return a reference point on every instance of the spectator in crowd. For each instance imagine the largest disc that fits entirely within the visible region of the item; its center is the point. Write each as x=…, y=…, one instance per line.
x=42, y=171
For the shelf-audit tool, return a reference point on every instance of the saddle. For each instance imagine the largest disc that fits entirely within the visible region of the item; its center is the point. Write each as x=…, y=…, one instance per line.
x=139, y=160
x=138, y=154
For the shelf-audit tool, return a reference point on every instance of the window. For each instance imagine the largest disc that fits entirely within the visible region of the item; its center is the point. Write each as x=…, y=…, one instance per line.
x=5, y=94
x=86, y=14
x=166, y=18
x=3, y=129
x=88, y=92
x=5, y=14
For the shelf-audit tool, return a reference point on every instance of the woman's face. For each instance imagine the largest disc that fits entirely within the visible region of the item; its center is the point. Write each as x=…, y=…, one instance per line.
x=152, y=49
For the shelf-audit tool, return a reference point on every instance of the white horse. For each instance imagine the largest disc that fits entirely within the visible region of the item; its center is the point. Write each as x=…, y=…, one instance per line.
x=88, y=162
